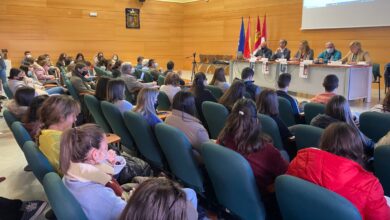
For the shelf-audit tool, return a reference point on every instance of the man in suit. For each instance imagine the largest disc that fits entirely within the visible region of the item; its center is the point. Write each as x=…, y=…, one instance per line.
x=330, y=54
x=263, y=51
x=282, y=52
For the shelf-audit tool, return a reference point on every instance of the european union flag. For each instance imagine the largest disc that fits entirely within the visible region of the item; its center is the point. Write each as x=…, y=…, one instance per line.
x=241, y=42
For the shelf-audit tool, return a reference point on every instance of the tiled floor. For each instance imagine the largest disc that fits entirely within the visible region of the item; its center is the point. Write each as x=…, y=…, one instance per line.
x=23, y=185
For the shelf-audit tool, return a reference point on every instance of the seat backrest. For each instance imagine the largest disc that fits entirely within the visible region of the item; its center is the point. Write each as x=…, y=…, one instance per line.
x=374, y=125
x=9, y=117
x=20, y=133
x=233, y=181
x=94, y=108
x=72, y=90
x=148, y=77
x=382, y=166
x=63, y=203
x=161, y=80
x=39, y=164
x=178, y=152
x=8, y=91
x=216, y=91
x=270, y=127
x=300, y=199
x=115, y=120
x=163, y=102
x=286, y=112
x=376, y=70
x=144, y=138
x=99, y=71
x=306, y=135
x=312, y=110
x=215, y=115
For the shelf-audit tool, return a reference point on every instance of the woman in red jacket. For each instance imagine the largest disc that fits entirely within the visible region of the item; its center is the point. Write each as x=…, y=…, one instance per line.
x=242, y=133
x=338, y=166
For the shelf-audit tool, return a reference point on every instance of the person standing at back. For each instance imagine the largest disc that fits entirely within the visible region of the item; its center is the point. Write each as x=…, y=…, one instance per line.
x=252, y=91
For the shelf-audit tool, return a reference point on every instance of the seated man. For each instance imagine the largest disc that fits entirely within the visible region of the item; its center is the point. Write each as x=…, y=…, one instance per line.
x=282, y=52
x=79, y=82
x=330, y=54
x=251, y=89
x=132, y=84
x=263, y=51
x=140, y=60
x=331, y=83
x=283, y=84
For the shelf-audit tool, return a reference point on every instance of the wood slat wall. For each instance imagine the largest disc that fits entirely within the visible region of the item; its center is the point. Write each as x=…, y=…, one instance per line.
x=55, y=26
x=168, y=30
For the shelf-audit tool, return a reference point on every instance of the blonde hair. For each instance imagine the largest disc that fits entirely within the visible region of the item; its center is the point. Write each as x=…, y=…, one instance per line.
x=77, y=142
x=356, y=44
x=145, y=101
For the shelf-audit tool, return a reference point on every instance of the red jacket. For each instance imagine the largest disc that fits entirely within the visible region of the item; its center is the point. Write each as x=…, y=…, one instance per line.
x=345, y=177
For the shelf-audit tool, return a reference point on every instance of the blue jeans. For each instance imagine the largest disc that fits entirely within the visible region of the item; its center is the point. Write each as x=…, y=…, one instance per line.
x=55, y=90
x=3, y=76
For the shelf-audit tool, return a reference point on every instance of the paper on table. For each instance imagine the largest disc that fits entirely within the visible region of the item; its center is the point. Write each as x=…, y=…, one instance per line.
x=303, y=70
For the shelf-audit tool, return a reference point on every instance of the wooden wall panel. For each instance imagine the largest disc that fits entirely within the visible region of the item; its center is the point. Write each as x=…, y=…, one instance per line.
x=55, y=26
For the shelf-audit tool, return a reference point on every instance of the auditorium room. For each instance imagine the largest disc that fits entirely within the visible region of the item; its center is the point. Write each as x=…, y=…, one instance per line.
x=194, y=110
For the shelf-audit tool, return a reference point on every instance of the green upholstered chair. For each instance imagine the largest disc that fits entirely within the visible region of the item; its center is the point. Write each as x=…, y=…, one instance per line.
x=312, y=110
x=38, y=163
x=306, y=135
x=115, y=120
x=145, y=139
x=130, y=97
x=301, y=200
x=216, y=91
x=215, y=115
x=375, y=125
x=161, y=80
x=8, y=91
x=163, y=102
x=147, y=77
x=286, y=112
x=376, y=72
x=63, y=203
x=72, y=90
x=9, y=117
x=178, y=153
x=233, y=182
x=93, y=105
x=138, y=73
x=20, y=133
x=270, y=127
x=98, y=71
x=382, y=166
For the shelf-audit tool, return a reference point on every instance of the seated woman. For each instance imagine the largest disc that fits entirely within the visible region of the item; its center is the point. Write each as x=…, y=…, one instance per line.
x=304, y=52
x=235, y=92
x=242, y=133
x=101, y=88
x=219, y=79
x=88, y=167
x=61, y=60
x=267, y=104
x=22, y=100
x=146, y=105
x=31, y=118
x=384, y=107
x=337, y=110
x=57, y=114
x=116, y=95
x=339, y=166
x=79, y=81
x=183, y=118
x=356, y=54
x=172, y=85
x=201, y=94
x=159, y=198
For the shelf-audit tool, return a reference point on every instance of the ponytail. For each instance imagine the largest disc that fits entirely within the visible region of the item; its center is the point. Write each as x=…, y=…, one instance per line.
x=77, y=142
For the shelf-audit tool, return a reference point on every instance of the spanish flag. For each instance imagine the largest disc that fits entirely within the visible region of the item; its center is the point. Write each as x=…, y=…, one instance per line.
x=247, y=47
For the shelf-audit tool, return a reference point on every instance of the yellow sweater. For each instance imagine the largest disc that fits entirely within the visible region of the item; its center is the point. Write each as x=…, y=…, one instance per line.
x=49, y=144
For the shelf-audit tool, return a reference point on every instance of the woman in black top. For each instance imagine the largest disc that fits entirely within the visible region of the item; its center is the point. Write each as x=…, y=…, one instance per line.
x=201, y=94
